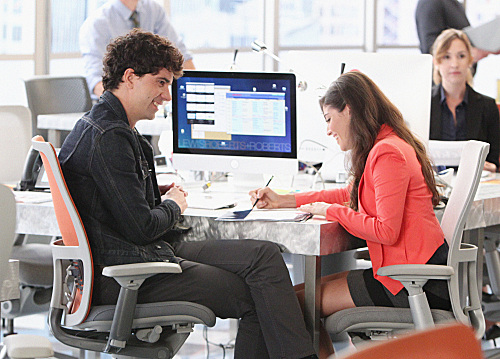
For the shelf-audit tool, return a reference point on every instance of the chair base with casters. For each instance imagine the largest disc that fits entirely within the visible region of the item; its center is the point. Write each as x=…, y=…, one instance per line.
x=155, y=330
x=460, y=272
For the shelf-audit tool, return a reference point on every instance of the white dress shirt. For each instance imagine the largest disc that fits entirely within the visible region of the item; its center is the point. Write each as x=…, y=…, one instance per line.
x=112, y=20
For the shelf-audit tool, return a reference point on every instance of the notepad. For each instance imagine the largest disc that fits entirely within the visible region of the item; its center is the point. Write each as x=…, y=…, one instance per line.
x=210, y=200
x=266, y=215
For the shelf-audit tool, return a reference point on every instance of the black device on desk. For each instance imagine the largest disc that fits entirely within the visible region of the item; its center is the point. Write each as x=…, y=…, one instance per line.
x=34, y=177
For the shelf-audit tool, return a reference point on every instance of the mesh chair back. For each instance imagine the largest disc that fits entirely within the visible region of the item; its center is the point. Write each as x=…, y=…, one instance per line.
x=464, y=190
x=56, y=94
x=462, y=257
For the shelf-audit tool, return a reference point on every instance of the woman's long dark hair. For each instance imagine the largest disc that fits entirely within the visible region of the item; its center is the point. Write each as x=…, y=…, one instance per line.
x=370, y=109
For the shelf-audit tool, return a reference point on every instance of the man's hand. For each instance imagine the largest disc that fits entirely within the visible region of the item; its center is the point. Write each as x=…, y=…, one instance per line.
x=165, y=187
x=178, y=195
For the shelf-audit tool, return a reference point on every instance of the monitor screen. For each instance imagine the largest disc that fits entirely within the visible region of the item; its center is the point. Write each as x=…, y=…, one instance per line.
x=226, y=121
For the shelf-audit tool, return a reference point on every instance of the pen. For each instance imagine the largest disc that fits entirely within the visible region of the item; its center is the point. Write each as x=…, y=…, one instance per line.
x=257, y=200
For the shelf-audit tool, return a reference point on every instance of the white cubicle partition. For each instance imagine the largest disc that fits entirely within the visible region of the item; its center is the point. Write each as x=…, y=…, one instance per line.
x=406, y=79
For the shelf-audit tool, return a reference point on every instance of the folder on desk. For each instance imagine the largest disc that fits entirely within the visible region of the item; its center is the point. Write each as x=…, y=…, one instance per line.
x=485, y=36
x=266, y=215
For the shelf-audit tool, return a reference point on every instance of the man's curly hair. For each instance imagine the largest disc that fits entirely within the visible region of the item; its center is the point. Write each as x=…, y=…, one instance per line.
x=141, y=51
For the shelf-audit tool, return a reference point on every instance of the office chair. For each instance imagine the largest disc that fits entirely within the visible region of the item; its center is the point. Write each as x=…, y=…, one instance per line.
x=15, y=346
x=48, y=94
x=454, y=341
x=460, y=271
x=35, y=267
x=155, y=330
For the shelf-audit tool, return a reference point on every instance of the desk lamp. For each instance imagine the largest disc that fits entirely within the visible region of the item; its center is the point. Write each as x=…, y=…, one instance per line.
x=260, y=46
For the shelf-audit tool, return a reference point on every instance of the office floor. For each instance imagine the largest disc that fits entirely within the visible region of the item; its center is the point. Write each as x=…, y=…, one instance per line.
x=222, y=334
x=219, y=336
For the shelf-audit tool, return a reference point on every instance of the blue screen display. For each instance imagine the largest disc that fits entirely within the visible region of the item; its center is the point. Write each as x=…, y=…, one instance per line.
x=235, y=113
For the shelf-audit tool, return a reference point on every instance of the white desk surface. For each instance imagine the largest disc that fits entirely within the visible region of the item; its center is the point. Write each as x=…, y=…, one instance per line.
x=317, y=236
x=66, y=122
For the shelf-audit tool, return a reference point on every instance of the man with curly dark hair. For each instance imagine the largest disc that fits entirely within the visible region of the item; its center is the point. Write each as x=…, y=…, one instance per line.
x=109, y=170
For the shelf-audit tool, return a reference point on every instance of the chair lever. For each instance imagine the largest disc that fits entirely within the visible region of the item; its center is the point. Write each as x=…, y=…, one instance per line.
x=149, y=335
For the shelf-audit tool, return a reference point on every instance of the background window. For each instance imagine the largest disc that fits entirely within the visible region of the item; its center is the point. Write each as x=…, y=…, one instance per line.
x=225, y=24
x=311, y=23
x=396, y=23
x=18, y=27
x=67, y=17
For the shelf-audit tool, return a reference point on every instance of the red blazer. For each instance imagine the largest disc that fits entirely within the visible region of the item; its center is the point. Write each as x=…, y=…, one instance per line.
x=395, y=216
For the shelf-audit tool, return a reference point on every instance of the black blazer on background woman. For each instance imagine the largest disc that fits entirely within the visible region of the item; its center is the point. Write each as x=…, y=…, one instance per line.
x=482, y=120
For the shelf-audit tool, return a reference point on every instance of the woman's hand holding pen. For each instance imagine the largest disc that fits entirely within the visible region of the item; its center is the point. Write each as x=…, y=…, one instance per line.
x=316, y=208
x=176, y=194
x=269, y=199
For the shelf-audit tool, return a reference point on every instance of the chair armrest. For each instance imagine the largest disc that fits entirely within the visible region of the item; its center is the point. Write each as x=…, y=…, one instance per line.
x=416, y=271
x=141, y=269
x=414, y=277
x=130, y=277
x=133, y=275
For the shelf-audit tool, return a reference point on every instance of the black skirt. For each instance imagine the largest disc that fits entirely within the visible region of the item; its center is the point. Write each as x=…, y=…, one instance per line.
x=365, y=290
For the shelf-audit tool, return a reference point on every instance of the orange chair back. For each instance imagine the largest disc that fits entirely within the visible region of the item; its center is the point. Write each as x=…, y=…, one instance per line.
x=454, y=341
x=69, y=222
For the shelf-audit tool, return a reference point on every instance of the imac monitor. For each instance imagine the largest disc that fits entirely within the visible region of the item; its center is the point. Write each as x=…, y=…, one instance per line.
x=235, y=122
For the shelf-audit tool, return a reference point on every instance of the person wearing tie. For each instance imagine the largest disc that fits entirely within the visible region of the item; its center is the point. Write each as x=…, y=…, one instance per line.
x=116, y=18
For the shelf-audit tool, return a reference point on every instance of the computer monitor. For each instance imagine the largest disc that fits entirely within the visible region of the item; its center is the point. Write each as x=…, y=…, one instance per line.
x=235, y=122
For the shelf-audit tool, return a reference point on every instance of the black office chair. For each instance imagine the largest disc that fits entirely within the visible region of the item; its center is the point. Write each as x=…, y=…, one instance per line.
x=56, y=94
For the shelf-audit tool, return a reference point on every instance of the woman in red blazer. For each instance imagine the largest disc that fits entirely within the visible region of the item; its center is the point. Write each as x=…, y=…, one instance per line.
x=388, y=203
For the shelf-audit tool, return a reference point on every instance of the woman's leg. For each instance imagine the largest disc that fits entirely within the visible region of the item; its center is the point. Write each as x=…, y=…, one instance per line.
x=335, y=296
x=261, y=266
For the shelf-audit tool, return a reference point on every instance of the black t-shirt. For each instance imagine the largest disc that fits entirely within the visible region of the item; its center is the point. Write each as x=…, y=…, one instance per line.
x=434, y=16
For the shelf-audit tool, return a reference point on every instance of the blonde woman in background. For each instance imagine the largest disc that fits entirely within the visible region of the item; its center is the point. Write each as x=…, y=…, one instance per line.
x=457, y=111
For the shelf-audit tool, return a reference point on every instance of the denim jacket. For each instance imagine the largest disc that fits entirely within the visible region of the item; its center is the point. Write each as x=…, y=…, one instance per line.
x=110, y=173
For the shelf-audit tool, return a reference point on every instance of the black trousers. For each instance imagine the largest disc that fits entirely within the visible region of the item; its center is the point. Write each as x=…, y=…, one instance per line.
x=244, y=279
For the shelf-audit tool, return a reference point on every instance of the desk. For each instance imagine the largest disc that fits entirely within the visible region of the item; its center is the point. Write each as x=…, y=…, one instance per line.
x=317, y=237
x=56, y=123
